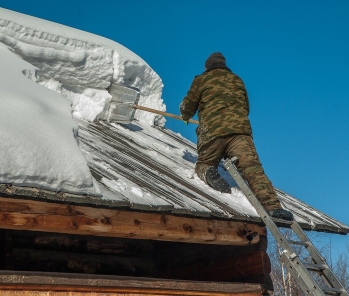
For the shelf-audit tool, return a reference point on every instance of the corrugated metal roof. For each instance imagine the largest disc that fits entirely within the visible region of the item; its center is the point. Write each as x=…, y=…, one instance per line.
x=148, y=157
x=151, y=169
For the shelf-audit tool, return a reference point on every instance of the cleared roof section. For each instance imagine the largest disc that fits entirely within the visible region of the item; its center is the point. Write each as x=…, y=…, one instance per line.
x=151, y=169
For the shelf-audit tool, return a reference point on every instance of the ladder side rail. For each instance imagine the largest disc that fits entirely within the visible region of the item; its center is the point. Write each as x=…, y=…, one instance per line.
x=301, y=276
x=326, y=273
x=257, y=205
x=292, y=259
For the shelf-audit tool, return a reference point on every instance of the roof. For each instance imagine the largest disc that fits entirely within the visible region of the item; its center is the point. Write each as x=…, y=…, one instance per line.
x=149, y=157
x=152, y=169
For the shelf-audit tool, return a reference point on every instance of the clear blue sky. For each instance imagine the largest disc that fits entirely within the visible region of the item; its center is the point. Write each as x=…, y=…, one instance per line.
x=292, y=55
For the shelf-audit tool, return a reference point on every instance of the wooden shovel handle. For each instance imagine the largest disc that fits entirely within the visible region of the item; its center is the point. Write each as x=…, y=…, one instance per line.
x=162, y=113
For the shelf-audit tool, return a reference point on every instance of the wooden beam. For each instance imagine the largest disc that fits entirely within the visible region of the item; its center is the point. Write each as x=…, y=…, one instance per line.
x=77, y=284
x=47, y=291
x=119, y=292
x=19, y=214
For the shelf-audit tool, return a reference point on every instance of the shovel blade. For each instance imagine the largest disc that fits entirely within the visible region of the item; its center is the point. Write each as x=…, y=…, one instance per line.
x=121, y=105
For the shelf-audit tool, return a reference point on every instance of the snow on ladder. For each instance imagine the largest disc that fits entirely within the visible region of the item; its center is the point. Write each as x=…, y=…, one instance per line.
x=300, y=271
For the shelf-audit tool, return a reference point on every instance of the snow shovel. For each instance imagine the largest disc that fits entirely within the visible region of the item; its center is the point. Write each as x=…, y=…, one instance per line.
x=124, y=103
x=162, y=113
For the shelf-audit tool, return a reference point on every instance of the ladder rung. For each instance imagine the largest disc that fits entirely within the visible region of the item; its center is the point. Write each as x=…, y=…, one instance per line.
x=315, y=267
x=333, y=291
x=298, y=243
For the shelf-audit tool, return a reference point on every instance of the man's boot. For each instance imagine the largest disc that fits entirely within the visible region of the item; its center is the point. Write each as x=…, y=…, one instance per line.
x=215, y=180
x=280, y=214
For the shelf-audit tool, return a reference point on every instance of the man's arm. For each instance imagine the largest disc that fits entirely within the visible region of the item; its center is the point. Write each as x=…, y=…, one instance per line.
x=247, y=102
x=246, y=96
x=190, y=103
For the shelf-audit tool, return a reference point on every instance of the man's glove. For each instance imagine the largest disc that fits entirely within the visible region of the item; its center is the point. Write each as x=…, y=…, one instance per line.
x=185, y=121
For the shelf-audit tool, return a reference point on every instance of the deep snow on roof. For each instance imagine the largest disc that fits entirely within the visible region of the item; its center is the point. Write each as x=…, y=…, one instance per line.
x=48, y=73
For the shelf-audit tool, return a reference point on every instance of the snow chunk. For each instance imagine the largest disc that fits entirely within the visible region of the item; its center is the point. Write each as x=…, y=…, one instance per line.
x=137, y=191
x=134, y=193
x=187, y=173
x=37, y=146
x=87, y=103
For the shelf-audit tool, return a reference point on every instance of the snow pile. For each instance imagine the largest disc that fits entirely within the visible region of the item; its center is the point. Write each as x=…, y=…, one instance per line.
x=81, y=66
x=37, y=145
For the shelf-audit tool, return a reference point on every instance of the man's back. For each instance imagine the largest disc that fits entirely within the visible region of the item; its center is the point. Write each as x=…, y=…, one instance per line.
x=221, y=100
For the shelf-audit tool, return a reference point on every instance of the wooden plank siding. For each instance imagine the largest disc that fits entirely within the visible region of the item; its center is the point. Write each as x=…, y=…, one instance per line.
x=120, y=293
x=19, y=214
x=40, y=284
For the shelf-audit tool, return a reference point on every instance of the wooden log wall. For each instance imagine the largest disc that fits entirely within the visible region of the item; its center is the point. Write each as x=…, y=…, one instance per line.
x=49, y=237
x=52, y=252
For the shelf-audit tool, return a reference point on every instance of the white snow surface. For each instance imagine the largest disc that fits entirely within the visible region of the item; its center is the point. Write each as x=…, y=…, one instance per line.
x=81, y=65
x=38, y=146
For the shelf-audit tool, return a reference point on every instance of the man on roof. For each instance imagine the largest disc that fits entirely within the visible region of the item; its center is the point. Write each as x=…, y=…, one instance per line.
x=224, y=130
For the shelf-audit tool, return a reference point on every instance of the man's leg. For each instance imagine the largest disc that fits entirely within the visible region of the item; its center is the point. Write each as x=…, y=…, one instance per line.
x=252, y=171
x=209, y=156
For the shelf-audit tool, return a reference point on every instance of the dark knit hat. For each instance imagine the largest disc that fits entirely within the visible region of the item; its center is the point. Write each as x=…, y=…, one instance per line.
x=216, y=59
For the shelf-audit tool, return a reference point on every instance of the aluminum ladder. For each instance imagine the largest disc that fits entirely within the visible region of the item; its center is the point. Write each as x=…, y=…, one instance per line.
x=299, y=271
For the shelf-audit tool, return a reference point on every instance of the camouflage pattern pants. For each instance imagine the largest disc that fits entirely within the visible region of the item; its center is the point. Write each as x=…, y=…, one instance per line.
x=242, y=146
